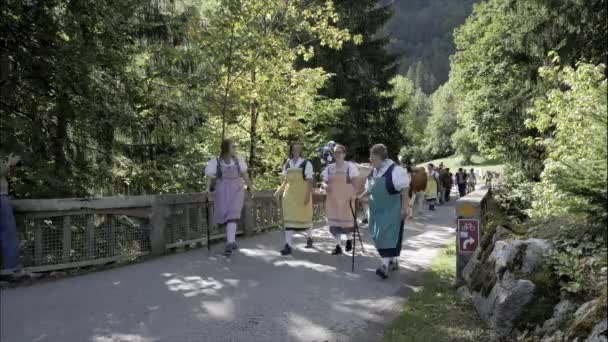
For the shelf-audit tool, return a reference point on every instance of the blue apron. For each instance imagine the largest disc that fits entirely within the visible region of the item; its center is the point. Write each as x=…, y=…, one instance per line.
x=385, y=224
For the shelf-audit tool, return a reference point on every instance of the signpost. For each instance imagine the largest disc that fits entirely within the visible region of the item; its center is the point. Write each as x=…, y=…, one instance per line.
x=468, y=235
x=468, y=228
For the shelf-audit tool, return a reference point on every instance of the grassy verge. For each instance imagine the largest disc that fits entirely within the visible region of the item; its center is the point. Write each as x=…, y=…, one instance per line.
x=477, y=162
x=436, y=313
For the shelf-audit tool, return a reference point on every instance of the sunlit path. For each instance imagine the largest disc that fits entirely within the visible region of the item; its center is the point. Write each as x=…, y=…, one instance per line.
x=257, y=295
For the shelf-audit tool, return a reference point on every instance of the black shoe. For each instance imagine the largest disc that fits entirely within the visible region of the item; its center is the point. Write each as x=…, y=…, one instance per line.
x=349, y=245
x=382, y=272
x=234, y=246
x=228, y=250
x=309, y=243
x=286, y=250
x=393, y=265
x=365, y=221
x=337, y=250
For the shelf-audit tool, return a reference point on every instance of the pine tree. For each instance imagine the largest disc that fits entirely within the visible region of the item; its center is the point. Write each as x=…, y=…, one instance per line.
x=362, y=74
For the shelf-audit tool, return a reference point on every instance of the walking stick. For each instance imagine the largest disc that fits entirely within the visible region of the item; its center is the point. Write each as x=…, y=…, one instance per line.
x=355, y=233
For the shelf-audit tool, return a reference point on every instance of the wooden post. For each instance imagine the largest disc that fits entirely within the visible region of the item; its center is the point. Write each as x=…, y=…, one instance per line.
x=211, y=226
x=188, y=232
x=111, y=235
x=67, y=239
x=247, y=216
x=37, y=243
x=158, y=220
x=90, y=233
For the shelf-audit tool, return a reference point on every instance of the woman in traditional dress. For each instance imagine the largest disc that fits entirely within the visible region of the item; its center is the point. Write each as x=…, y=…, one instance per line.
x=227, y=174
x=296, y=201
x=387, y=187
x=341, y=189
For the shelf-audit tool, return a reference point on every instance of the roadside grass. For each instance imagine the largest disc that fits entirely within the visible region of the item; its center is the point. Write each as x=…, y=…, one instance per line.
x=436, y=313
x=479, y=163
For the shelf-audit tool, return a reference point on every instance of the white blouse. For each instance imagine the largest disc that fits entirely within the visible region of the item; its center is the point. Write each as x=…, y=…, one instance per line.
x=400, y=178
x=308, y=172
x=211, y=169
x=353, y=170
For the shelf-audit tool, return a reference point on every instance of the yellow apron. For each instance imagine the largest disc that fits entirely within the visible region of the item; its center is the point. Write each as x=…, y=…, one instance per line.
x=296, y=215
x=431, y=187
x=340, y=197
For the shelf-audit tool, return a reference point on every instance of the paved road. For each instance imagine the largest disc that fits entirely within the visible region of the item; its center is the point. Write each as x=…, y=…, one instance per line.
x=257, y=295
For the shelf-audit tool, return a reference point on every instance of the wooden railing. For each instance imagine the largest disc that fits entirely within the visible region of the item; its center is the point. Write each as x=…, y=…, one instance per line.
x=68, y=233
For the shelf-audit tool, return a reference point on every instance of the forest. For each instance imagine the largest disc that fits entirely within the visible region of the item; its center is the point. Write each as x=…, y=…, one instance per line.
x=132, y=97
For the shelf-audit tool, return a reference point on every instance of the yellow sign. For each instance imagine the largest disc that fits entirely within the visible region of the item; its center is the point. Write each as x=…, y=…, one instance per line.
x=467, y=210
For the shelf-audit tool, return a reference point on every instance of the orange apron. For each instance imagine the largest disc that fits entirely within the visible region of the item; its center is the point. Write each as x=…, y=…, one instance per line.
x=339, y=193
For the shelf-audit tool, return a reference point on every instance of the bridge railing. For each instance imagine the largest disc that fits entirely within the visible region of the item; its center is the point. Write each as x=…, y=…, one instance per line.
x=69, y=233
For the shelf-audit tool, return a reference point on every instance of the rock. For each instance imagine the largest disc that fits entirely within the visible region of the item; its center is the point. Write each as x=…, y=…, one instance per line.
x=523, y=256
x=584, y=309
x=599, y=332
x=561, y=313
x=587, y=318
x=464, y=293
x=468, y=269
x=501, y=233
x=505, y=303
x=558, y=336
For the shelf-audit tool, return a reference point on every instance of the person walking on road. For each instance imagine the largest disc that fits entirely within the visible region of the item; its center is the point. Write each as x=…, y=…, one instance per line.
x=387, y=187
x=341, y=191
x=227, y=174
x=461, y=181
x=471, y=181
x=447, y=182
x=9, y=242
x=296, y=201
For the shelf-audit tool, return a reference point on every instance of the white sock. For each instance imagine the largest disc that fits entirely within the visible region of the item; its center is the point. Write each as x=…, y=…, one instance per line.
x=338, y=238
x=231, y=232
x=289, y=237
x=309, y=231
x=386, y=261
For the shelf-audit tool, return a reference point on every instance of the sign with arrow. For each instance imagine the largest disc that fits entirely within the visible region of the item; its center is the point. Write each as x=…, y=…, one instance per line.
x=468, y=235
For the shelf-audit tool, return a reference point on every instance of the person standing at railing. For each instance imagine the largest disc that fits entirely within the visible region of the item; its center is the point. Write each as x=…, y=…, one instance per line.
x=387, y=188
x=296, y=197
x=226, y=175
x=341, y=190
x=8, y=227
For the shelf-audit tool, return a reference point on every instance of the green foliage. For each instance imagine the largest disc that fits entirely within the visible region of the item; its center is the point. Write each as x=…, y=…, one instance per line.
x=495, y=70
x=362, y=70
x=436, y=312
x=133, y=97
x=442, y=123
x=574, y=117
x=465, y=143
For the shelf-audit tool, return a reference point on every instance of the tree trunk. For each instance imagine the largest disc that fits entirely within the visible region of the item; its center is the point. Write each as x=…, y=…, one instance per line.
x=253, y=136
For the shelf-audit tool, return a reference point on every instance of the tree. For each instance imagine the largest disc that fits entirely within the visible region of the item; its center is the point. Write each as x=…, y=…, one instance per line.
x=442, y=123
x=465, y=144
x=495, y=70
x=574, y=116
x=362, y=70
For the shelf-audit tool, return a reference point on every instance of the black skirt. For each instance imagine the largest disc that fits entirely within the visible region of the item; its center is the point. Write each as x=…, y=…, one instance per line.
x=393, y=252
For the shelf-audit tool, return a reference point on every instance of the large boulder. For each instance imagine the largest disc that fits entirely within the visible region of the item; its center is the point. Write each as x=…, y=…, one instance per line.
x=501, y=281
x=505, y=302
x=599, y=332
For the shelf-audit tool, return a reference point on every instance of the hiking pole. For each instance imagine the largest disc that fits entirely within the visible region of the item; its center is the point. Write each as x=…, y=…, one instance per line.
x=355, y=233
